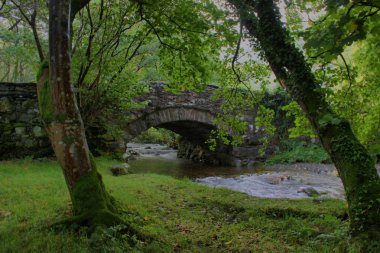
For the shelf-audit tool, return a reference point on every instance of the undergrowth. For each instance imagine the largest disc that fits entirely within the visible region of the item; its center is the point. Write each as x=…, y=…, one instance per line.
x=293, y=151
x=158, y=135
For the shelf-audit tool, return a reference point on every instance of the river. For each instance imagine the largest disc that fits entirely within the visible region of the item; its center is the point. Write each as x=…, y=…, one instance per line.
x=276, y=181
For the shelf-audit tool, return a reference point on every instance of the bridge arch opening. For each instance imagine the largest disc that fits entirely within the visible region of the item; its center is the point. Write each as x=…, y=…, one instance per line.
x=193, y=125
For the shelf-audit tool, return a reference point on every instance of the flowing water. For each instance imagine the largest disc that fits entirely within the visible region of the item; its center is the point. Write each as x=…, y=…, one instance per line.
x=278, y=181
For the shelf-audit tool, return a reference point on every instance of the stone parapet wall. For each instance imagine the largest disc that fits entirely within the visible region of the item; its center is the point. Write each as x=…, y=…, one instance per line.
x=21, y=130
x=159, y=98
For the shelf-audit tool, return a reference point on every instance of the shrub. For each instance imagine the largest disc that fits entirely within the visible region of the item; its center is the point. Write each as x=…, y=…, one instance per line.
x=293, y=151
x=158, y=135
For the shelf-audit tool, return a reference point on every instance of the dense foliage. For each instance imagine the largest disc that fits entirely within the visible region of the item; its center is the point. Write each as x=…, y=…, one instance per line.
x=158, y=135
x=341, y=40
x=118, y=48
x=296, y=151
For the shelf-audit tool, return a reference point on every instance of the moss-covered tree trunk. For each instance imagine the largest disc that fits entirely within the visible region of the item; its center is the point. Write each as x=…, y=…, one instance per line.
x=355, y=166
x=92, y=205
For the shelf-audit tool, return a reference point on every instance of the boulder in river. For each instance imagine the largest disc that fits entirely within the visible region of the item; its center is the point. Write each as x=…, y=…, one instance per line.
x=130, y=155
x=309, y=191
x=278, y=179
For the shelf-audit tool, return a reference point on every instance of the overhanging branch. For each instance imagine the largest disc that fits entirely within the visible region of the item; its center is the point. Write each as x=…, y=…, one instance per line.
x=76, y=6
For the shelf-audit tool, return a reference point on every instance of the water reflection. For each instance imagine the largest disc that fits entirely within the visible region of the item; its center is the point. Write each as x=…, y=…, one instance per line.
x=181, y=168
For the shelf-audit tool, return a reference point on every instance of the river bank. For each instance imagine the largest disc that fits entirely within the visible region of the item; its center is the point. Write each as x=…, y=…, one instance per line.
x=176, y=214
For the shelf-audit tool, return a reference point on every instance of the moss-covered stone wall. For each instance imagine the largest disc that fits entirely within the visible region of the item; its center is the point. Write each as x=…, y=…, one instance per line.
x=21, y=130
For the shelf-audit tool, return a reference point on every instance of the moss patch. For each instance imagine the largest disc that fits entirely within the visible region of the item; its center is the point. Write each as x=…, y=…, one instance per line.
x=5, y=105
x=43, y=65
x=99, y=199
x=45, y=103
x=98, y=207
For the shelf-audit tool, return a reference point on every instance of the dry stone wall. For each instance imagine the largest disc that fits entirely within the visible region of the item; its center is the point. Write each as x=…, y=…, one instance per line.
x=21, y=130
x=190, y=114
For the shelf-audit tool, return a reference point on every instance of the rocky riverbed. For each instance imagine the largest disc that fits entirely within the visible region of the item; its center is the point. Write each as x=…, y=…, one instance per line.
x=301, y=180
x=290, y=182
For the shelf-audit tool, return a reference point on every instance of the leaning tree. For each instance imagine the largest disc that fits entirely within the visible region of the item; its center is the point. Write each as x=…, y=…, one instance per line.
x=183, y=58
x=355, y=166
x=59, y=111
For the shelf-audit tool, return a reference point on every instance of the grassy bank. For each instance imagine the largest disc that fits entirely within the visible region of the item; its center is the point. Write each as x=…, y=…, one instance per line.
x=294, y=151
x=177, y=215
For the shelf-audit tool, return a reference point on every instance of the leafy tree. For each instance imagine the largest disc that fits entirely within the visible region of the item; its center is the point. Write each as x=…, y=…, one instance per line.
x=302, y=126
x=119, y=47
x=113, y=59
x=64, y=125
x=21, y=45
x=126, y=45
x=341, y=41
x=356, y=167
x=17, y=55
x=57, y=99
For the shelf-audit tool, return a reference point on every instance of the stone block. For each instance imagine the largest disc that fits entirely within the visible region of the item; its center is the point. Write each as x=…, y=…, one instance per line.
x=26, y=117
x=5, y=105
x=12, y=116
x=29, y=143
x=29, y=104
x=20, y=130
x=38, y=132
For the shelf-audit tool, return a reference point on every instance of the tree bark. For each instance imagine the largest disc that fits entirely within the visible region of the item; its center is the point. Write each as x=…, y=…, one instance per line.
x=355, y=166
x=92, y=205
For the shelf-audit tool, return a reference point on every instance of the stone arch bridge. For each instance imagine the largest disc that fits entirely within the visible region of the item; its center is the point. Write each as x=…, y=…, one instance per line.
x=191, y=115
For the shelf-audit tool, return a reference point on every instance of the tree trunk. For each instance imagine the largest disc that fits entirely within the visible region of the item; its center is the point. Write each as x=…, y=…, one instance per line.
x=355, y=166
x=92, y=205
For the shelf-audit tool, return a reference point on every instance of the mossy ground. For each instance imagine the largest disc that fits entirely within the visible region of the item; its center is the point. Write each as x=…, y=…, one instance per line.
x=177, y=215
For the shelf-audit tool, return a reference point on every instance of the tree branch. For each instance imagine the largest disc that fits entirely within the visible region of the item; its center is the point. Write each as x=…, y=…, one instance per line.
x=32, y=23
x=180, y=26
x=22, y=12
x=236, y=55
x=15, y=24
x=76, y=6
x=3, y=4
x=140, y=5
x=348, y=72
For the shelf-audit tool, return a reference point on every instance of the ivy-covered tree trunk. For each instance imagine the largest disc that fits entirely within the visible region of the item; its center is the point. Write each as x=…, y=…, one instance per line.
x=355, y=166
x=92, y=205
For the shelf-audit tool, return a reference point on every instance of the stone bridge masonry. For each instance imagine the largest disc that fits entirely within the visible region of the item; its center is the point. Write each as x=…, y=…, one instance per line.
x=189, y=114
x=192, y=115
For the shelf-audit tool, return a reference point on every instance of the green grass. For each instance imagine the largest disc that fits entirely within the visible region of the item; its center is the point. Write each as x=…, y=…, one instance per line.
x=178, y=215
x=293, y=151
